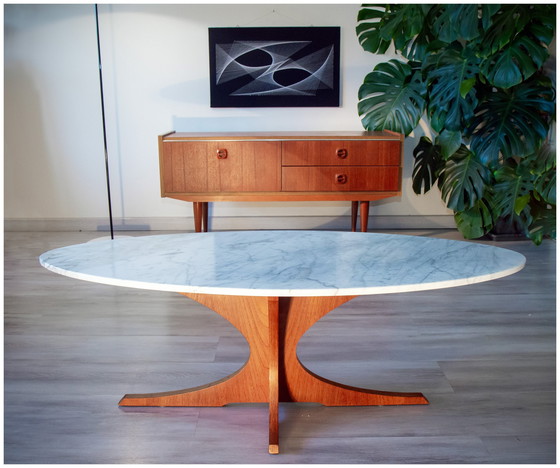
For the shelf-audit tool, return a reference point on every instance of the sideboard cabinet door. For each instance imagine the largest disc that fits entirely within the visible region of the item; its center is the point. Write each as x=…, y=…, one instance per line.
x=221, y=166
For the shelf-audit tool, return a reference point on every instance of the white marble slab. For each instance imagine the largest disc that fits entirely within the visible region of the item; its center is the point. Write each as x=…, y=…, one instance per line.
x=283, y=263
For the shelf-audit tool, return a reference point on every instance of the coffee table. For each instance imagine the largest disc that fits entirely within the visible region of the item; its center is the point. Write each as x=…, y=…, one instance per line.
x=273, y=286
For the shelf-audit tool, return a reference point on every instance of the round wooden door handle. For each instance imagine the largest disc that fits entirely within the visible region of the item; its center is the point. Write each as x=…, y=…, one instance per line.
x=342, y=153
x=222, y=153
x=341, y=178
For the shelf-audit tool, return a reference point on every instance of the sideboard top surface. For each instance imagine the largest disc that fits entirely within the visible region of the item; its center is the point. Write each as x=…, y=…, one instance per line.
x=280, y=136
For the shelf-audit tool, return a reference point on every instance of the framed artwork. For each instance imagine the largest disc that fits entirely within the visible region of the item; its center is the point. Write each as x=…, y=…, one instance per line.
x=275, y=67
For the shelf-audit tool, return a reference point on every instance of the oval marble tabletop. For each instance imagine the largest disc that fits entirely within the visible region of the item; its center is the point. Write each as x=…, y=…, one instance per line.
x=283, y=263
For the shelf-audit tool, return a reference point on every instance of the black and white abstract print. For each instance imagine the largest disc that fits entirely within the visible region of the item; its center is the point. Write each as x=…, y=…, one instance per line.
x=274, y=67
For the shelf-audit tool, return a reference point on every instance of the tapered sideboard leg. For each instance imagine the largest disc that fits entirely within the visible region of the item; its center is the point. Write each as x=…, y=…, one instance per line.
x=354, y=215
x=364, y=215
x=204, y=216
x=200, y=211
x=197, y=212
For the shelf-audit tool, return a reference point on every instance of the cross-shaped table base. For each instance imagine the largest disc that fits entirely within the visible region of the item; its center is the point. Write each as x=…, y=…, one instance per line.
x=273, y=373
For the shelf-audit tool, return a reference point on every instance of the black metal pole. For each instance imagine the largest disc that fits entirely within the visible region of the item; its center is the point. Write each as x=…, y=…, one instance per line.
x=103, y=119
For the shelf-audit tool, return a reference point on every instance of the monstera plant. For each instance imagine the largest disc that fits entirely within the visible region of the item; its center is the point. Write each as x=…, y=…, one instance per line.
x=475, y=73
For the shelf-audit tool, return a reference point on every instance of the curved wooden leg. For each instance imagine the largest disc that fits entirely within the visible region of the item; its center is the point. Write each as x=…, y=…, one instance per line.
x=364, y=215
x=354, y=215
x=297, y=315
x=250, y=384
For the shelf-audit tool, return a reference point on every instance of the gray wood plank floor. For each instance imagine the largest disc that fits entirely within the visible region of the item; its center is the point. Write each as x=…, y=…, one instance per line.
x=484, y=355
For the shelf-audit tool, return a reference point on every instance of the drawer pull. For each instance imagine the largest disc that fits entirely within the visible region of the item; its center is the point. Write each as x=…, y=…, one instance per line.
x=222, y=153
x=341, y=178
x=342, y=153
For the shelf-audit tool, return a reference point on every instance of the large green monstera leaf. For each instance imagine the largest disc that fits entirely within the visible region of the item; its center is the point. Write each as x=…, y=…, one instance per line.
x=515, y=46
x=452, y=98
x=543, y=222
x=379, y=25
x=512, y=122
x=392, y=98
x=476, y=221
x=370, y=21
x=454, y=22
x=428, y=164
x=512, y=191
x=506, y=24
x=514, y=63
x=463, y=180
x=545, y=186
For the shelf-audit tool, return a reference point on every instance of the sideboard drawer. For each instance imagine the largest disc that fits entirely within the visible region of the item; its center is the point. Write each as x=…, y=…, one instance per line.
x=341, y=179
x=341, y=153
x=214, y=166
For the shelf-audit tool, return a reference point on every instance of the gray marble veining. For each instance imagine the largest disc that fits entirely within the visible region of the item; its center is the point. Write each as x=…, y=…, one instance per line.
x=284, y=263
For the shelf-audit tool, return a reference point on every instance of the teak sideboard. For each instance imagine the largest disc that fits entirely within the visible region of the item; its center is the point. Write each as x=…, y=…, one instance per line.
x=279, y=166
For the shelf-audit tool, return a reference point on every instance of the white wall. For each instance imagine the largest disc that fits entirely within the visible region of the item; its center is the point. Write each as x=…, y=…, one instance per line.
x=156, y=79
x=53, y=164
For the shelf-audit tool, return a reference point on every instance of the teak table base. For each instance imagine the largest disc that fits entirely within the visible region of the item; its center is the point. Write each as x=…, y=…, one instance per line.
x=273, y=373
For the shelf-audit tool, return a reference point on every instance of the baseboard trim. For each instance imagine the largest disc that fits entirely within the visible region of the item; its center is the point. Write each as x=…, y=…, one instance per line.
x=227, y=223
